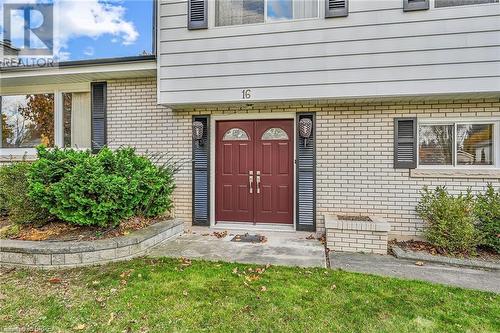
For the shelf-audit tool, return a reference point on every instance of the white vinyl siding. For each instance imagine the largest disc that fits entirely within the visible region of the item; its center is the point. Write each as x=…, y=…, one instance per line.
x=378, y=50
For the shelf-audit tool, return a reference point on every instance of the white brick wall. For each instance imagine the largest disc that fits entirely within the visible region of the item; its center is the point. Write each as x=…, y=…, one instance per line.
x=354, y=148
x=355, y=159
x=357, y=241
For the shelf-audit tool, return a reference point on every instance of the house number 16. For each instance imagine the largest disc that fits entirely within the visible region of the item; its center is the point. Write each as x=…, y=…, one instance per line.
x=246, y=93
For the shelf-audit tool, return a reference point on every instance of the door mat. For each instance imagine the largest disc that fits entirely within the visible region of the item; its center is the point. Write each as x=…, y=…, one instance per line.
x=247, y=238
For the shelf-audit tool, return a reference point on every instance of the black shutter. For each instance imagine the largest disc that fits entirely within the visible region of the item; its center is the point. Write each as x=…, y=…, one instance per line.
x=336, y=8
x=99, y=132
x=405, y=143
x=201, y=180
x=411, y=5
x=197, y=14
x=306, y=177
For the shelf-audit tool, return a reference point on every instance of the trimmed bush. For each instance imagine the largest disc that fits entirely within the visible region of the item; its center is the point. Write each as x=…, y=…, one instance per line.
x=103, y=189
x=450, y=220
x=488, y=213
x=17, y=204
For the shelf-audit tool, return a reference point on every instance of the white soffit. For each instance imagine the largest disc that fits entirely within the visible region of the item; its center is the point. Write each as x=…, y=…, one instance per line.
x=77, y=74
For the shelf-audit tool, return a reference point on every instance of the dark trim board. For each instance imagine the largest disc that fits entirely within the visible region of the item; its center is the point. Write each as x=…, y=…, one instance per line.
x=201, y=176
x=306, y=177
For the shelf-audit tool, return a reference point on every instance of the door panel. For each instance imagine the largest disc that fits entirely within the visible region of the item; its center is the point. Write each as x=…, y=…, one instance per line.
x=274, y=159
x=266, y=146
x=234, y=160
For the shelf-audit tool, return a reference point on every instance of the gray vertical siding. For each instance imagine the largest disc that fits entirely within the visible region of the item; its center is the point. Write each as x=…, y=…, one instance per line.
x=378, y=50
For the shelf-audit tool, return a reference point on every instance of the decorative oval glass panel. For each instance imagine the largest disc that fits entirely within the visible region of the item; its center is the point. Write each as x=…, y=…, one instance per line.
x=275, y=133
x=235, y=134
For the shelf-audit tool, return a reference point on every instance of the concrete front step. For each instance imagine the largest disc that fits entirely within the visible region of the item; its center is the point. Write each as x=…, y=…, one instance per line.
x=286, y=250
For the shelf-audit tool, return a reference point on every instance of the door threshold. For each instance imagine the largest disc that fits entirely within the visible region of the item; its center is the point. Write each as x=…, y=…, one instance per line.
x=254, y=227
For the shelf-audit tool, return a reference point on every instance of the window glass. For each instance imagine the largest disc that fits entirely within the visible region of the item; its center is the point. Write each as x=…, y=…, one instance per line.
x=452, y=3
x=27, y=121
x=278, y=10
x=235, y=12
x=435, y=145
x=275, y=133
x=235, y=134
x=475, y=144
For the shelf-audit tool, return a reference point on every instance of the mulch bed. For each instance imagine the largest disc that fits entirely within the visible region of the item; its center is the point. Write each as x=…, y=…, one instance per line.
x=420, y=246
x=59, y=231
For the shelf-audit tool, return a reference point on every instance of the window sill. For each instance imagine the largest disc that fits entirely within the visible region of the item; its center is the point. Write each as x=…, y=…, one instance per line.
x=455, y=173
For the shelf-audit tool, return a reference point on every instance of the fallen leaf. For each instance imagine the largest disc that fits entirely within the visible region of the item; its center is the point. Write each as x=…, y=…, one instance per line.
x=185, y=262
x=263, y=288
x=185, y=293
x=55, y=280
x=253, y=277
x=111, y=318
x=125, y=274
x=419, y=263
x=220, y=234
x=79, y=327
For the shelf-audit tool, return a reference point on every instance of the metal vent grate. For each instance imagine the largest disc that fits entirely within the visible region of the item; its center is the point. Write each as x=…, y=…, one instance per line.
x=335, y=4
x=197, y=10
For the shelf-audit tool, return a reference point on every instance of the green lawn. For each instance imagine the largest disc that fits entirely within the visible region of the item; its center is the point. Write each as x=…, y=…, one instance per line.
x=167, y=295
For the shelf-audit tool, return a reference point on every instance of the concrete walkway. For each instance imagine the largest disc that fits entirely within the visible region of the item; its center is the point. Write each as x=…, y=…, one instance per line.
x=290, y=248
x=390, y=266
x=281, y=248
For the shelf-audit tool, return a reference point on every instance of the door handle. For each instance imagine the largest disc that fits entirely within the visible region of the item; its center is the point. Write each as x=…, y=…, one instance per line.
x=258, y=182
x=250, y=181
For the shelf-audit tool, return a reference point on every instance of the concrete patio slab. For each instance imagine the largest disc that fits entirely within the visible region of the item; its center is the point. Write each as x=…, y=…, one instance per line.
x=385, y=265
x=281, y=248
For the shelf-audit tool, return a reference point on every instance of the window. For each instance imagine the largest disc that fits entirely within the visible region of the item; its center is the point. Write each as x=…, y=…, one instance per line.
x=274, y=133
x=51, y=119
x=236, y=12
x=27, y=121
x=458, y=144
x=435, y=145
x=77, y=120
x=235, y=134
x=453, y=3
x=475, y=144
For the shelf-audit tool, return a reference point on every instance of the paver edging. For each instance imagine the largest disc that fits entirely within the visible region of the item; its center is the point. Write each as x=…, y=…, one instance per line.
x=47, y=254
x=471, y=263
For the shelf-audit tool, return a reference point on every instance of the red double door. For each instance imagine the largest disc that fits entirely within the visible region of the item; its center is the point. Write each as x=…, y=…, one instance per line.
x=254, y=171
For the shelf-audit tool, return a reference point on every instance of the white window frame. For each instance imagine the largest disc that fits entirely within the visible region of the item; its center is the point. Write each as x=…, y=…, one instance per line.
x=213, y=16
x=460, y=121
x=58, y=92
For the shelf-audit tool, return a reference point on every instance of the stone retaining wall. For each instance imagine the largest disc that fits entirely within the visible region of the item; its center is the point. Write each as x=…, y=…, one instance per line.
x=357, y=236
x=46, y=254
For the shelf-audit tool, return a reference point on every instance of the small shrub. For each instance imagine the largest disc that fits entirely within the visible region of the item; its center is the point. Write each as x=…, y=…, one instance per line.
x=450, y=220
x=14, y=191
x=103, y=189
x=488, y=213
